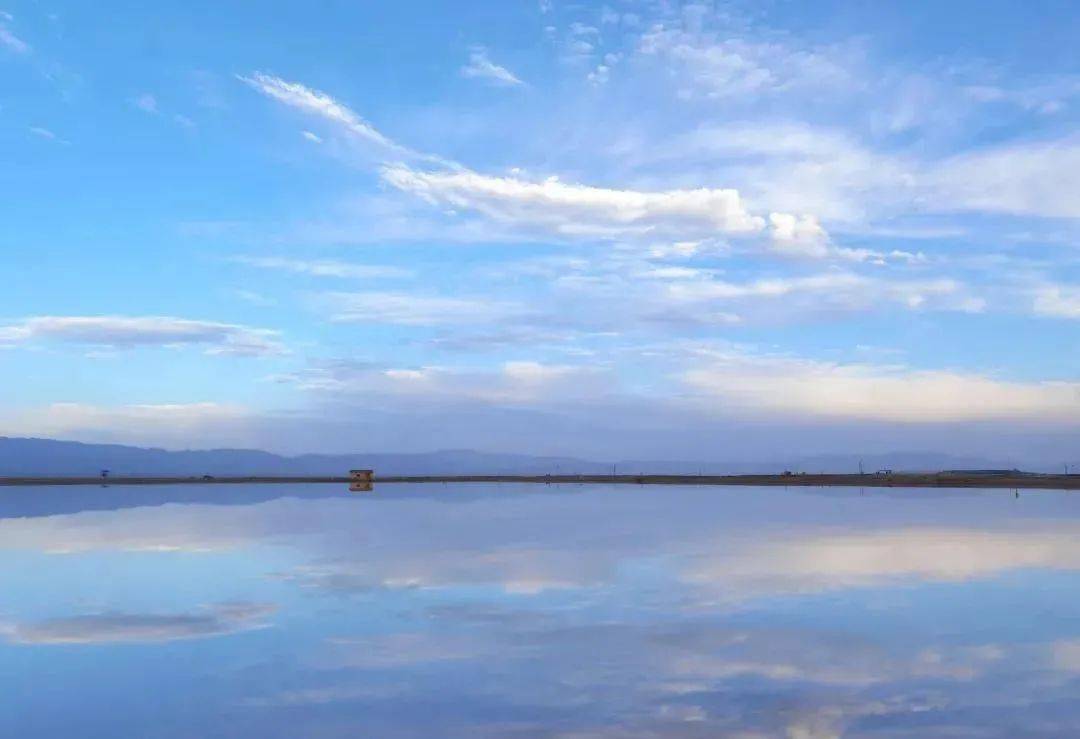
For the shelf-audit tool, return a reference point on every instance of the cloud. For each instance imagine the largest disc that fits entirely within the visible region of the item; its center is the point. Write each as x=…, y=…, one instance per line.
x=810, y=563
x=11, y=42
x=826, y=292
x=791, y=166
x=146, y=103
x=324, y=267
x=126, y=332
x=314, y=102
x=816, y=389
x=44, y=133
x=1035, y=179
x=514, y=382
x=482, y=68
x=1057, y=301
x=140, y=420
x=180, y=425
x=112, y=628
x=803, y=236
x=407, y=309
x=581, y=210
x=312, y=137
x=743, y=69
x=318, y=103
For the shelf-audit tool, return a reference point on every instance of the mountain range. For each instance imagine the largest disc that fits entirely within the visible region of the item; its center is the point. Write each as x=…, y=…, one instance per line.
x=22, y=456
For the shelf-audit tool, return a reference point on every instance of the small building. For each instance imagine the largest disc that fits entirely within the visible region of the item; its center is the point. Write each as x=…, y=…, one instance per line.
x=361, y=475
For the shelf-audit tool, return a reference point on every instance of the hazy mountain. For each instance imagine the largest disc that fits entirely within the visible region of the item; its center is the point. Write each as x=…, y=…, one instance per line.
x=52, y=457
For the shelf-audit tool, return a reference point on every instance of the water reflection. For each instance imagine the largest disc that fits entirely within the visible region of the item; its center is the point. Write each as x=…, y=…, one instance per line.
x=478, y=610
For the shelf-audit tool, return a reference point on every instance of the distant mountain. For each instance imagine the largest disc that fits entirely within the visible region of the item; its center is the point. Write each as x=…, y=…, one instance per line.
x=898, y=461
x=52, y=457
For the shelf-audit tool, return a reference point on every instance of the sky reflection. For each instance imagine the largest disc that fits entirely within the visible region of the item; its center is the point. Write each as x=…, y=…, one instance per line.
x=538, y=611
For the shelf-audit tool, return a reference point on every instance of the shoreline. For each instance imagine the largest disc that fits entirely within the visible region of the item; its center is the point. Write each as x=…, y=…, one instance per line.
x=900, y=479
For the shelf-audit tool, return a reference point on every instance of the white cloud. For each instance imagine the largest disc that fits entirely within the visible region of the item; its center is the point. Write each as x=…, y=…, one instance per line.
x=129, y=332
x=724, y=68
x=11, y=42
x=1058, y=301
x=324, y=267
x=514, y=382
x=831, y=290
x=146, y=103
x=312, y=137
x=314, y=102
x=1035, y=179
x=108, y=628
x=407, y=309
x=814, y=389
x=581, y=210
x=793, y=167
x=481, y=67
x=67, y=416
x=1046, y=97
x=45, y=133
x=808, y=562
x=173, y=425
x=303, y=98
x=788, y=166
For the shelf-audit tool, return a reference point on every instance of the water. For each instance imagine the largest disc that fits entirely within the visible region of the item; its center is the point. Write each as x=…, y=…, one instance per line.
x=512, y=611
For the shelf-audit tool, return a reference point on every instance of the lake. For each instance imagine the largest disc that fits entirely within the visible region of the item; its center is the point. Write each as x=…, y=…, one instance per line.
x=535, y=611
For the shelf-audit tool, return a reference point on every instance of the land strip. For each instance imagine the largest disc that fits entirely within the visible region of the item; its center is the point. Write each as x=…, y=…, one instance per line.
x=899, y=479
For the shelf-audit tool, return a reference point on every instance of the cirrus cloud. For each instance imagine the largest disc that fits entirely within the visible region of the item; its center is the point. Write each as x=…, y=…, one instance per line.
x=482, y=68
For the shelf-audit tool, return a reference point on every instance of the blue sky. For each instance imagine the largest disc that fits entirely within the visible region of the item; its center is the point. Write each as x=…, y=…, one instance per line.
x=613, y=229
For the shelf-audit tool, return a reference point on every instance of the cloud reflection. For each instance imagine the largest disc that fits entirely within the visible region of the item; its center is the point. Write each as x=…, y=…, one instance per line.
x=109, y=628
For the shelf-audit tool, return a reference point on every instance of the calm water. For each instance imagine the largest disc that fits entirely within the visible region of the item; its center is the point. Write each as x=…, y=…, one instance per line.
x=532, y=611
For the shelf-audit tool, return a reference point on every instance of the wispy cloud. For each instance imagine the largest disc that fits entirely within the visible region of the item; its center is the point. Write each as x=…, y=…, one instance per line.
x=482, y=68
x=314, y=102
x=1058, y=301
x=712, y=65
x=816, y=389
x=832, y=291
x=129, y=332
x=44, y=133
x=519, y=383
x=10, y=41
x=147, y=103
x=318, y=103
x=1037, y=179
x=325, y=267
x=166, y=424
x=408, y=309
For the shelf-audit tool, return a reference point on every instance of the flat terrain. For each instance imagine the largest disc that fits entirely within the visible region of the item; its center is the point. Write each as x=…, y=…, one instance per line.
x=901, y=479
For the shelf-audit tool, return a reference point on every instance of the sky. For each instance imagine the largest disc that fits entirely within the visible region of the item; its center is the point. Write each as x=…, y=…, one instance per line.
x=622, y=229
